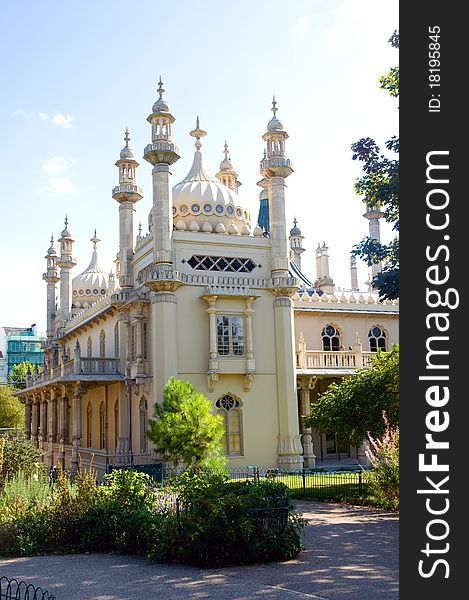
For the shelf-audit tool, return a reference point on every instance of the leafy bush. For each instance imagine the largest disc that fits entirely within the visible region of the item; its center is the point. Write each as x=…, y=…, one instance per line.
x=20, y=455
x=384, y=478
x=222, y=523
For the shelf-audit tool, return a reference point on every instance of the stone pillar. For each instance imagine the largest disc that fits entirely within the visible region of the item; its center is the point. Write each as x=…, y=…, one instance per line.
x=307, y=439
x=249, y=340
x=52, y=413
x=278, y=229
x=290, y=450
x=164, y=334
x=42, y=437
x=27, y=419
x=124, y=423
x=162, y=213
x=78, y=393
x=34, y=420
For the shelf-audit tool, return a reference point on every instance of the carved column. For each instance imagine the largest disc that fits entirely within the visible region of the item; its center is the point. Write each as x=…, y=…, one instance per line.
x=124, y=422
x=78, y=393
x=52, y=413
x=27, y=418
x=309, y=457
x=42, y=437
x=34, y=419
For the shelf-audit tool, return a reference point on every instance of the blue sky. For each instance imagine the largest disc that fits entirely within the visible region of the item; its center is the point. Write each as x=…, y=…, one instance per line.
x=76, y=74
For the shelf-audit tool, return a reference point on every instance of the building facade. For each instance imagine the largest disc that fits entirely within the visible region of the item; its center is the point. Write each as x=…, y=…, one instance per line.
x=210, y=295
x=17, y=345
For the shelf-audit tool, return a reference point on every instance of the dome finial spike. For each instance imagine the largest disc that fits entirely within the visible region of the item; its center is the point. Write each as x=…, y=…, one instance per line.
x=95, y=240
x=66, y=221
x=127, y=137
x=198, y=133
x=274, y=106
x=295, y=222
x=160, y=88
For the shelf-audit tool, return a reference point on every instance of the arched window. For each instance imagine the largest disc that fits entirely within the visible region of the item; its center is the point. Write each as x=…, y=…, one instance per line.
x=102, y=426
x=143, y=408
x=89, y=347
x=116, y=340
x=116, y=423
x=89, y=419
x=330, y=338
x=229, y=408
x=377, y=338
x=102, y=344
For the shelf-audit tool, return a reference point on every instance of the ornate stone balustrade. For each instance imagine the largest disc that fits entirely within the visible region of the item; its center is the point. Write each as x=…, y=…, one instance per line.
x=74, y=370
x=301, y=298
x=319, y=359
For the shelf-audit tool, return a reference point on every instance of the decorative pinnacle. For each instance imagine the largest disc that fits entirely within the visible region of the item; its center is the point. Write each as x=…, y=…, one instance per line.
x=225, y=151
x=140, y=229
x=127, y=137
x=274, y=106
x=66, y=221
x=198, y=133
x=95, y=240
x=295, y=222
x=52, y=239
x=161, y=89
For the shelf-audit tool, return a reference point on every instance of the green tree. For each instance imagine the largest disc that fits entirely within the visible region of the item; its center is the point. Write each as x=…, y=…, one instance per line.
x=354, y=408
x=185, y=430
x=11, y=409
x=379, y=189
x=18, y=374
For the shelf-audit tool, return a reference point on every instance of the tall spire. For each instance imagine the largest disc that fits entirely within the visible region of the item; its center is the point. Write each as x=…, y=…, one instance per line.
x=65, y=262
x=51, y=277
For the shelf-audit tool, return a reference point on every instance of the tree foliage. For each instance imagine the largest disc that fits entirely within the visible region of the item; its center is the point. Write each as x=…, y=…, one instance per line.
x=11, y=409
x=379, y=188
x=185, y=430
x=354, y=407
x=19, y=373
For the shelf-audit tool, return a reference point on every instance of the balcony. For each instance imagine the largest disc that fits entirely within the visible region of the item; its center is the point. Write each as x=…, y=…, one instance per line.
x=79, y=369
x=332, y=363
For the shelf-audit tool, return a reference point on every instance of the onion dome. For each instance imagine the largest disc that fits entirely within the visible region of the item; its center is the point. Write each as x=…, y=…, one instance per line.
x=92, y=284
x=160, y=105
x=274, y=124
x=52, y=251
x=295, y=230
x=127, y=153
x=66, y=233
x=200, y=198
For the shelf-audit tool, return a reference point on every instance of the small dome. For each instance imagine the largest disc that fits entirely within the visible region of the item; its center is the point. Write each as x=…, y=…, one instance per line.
x=160, y=105
x=126, y=152
x=66, y=233
x=92, y=284
x=295, y=230
x=52, y=251
x=274, y=125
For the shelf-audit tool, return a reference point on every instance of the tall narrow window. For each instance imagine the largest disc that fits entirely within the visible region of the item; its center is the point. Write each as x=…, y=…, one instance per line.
x=230, y=335
x=330, y=339
x=102, y=344
x=89, y=420
x=145, y=340
x=229, y=408
x=377, y=338
x=116, y=340
x=116, y=424
x=102, y=426
x=133, y=342
x=89, y=347
x=143, y=407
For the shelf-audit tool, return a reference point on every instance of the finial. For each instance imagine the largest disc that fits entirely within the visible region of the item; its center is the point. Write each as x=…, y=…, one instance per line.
x=295, y=222
x=160, y=88
x=198, y=133
x=95, y=240
x=140, y=229
x=52, y=239
x=225, y=151
x=127, y=137
x=66, y=221
x=274, y=106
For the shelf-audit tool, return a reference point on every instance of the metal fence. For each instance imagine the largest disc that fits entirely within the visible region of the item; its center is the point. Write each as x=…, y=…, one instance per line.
x=11, y=589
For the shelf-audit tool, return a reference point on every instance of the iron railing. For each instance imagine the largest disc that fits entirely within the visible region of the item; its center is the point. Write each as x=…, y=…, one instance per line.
x=12, y=589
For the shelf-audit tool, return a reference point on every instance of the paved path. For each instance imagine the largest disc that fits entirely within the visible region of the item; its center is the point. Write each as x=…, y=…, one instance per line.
x=351, y=554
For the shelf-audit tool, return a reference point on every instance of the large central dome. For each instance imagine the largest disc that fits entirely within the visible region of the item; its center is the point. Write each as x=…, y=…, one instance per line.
x=202, y=203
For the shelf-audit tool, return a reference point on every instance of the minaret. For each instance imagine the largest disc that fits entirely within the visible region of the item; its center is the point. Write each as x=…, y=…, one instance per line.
x=66, y=262
x=374, y=214
x=275, y=167
x=324, y=280
x=51, y=277
x=353, y=273
x=161, y=153
x=296, y=243
x=227, y=174
x=127, y=194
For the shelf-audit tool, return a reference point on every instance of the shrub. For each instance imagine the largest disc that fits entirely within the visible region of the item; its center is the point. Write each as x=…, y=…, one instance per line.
x=384, y=478
x=20, y=455
x=221, y=523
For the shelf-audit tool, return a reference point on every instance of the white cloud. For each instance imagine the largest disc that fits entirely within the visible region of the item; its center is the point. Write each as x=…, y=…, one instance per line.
x=61, y=185
x=63, y=120
x=302, y=26
x=56, y=165
x=57, y=119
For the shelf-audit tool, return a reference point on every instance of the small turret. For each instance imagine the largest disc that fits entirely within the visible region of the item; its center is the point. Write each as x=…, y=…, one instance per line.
x=296, y=243
x=51, y=277
x=66, y=263
x=227, y=175
x=323, y=279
